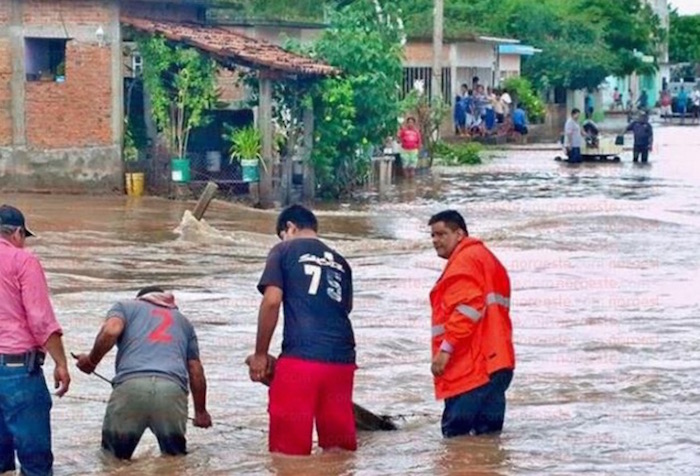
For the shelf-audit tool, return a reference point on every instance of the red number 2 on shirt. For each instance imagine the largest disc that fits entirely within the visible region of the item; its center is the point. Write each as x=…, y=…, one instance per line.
x=160, y=334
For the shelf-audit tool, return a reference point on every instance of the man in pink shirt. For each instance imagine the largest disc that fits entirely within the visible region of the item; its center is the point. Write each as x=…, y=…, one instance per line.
x=28, y=328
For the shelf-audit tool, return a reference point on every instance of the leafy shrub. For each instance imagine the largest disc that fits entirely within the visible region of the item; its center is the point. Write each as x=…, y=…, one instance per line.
x=459, y=154
x=521, y=90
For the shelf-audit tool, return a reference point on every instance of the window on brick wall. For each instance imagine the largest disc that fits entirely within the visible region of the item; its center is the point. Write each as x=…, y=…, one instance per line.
x=45, y=59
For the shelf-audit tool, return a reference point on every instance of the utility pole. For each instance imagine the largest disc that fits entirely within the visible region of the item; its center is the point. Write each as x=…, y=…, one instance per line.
x=438, y=17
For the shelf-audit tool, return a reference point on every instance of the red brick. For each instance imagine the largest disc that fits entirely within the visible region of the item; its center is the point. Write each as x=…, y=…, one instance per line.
x=73, y=12
x=4, y=12
x=5, y=56
x=76, y=113
x=423, y=52
x=228, y=86
x=5, y=93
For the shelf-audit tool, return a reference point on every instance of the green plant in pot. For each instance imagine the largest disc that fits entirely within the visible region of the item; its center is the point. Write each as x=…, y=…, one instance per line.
x=181, y=84
x=246, y=148
x=130, y=153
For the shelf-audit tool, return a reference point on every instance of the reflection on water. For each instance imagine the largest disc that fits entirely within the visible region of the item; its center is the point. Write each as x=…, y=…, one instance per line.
x=603, y=261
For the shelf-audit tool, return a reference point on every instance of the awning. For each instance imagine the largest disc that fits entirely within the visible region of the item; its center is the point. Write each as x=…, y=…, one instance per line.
x=522, y=50
x=227, y=46
x=497, y=39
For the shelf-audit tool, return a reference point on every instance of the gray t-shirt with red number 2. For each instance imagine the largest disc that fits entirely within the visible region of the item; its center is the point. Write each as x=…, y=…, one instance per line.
x=156, y=341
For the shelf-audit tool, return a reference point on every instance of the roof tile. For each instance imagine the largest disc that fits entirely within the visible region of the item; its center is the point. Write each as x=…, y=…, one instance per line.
x=239, y=48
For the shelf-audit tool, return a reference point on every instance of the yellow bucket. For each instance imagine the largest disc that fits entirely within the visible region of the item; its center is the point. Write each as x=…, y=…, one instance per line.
x=134, y=184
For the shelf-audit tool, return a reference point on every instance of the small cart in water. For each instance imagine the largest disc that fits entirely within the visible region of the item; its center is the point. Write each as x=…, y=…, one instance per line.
x=607, y=149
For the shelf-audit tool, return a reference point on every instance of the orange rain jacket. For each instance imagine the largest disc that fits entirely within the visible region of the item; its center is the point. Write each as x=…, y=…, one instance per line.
x=471, y=319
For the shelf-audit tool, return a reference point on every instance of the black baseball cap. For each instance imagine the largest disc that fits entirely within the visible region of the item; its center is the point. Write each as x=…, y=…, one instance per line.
x=11, y=216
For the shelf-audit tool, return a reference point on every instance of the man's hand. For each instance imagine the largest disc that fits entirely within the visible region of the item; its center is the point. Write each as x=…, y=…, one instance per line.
x=202, y=419
x=261, y=367
x=439, y=363
x=61, y=379
x=85, y=364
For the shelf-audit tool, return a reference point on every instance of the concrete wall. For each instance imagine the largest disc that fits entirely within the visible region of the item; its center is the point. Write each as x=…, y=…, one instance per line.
x=472, y=54
x=277, y=34
x=61, y=135
x=509, y=65
x=420, y=54
x=162, y=11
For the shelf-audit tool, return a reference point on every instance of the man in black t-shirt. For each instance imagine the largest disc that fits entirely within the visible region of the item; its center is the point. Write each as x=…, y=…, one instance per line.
x=313, y=378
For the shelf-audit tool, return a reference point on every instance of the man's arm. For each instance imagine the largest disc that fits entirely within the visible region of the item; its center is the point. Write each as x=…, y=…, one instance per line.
x=41, y=319
x=198, y=386
x=466, y=299
x=268, y=315
x=54, y=346
x=260, y=365
x=105, y=340
x=351, y=290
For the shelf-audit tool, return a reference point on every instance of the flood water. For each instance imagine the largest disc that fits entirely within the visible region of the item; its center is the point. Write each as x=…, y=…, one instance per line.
x=604, y=266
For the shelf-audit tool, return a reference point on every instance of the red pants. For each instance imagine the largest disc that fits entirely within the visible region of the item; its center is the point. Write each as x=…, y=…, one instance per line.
x=303, y=391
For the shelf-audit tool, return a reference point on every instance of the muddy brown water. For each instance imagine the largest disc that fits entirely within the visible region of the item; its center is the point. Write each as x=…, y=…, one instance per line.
x=604, y=266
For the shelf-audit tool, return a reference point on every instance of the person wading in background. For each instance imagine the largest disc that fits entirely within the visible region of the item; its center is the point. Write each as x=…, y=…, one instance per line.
x=643, y=137
x=411, y=144
x=472, y=343
x=28, y=328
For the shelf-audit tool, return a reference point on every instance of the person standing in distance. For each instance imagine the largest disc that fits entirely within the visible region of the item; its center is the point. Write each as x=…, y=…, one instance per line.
x=472, y=343
x=313, y=378
x=28, y=328
x=643, y=137
x=573, y=138
x=157, y=357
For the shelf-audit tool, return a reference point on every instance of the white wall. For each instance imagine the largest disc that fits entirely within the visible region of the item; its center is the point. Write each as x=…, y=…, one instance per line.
x=475, y=55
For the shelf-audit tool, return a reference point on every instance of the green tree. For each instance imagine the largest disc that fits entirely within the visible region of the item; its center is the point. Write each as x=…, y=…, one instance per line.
x=181, y=83
x=365, y=43
x=628, y=26
x=358, y=109
x=583, y=41
x=684, y=40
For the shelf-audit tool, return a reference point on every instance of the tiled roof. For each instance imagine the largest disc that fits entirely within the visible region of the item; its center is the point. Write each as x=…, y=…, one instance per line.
x=235, y=47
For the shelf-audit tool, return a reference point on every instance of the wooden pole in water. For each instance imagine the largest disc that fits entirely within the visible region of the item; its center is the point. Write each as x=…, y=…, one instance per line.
x=204, y=200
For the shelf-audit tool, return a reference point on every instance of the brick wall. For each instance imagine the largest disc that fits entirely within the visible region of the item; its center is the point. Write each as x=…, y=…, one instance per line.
x=75, y=113
x=5, y=92
x=422, y=53
x=4, y=11
x=229, y=89
x=76, y=12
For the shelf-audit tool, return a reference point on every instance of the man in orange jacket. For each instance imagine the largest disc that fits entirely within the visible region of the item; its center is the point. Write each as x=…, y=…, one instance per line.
x=472, y=344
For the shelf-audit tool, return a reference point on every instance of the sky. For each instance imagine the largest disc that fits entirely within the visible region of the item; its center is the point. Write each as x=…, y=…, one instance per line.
x=687, y=7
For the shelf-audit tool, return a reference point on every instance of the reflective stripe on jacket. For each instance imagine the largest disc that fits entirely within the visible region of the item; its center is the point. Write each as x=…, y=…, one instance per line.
x=471, y=319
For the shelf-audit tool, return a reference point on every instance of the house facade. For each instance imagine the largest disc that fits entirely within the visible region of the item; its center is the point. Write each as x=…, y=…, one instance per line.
x=60, y=94
x=490, y=59
x=62, y=82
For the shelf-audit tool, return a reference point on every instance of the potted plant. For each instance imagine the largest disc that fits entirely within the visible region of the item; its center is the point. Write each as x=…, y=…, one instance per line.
x=246, y=148
x=130, y=155
x=181, y=83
